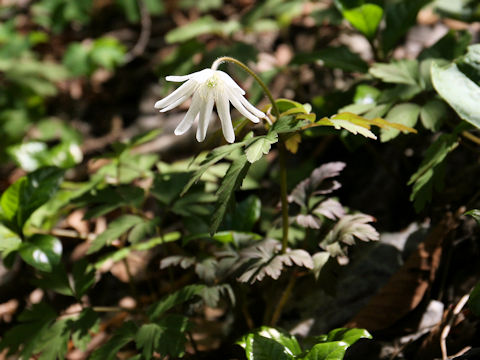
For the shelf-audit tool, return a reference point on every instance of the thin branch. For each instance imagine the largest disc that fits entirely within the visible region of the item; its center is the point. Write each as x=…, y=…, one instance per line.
x=446, y=330
x=145, y=32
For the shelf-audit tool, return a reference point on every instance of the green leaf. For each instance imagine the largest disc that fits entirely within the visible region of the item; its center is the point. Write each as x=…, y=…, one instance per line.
x=349, y=336
x=10, y=203
x=41, y=251
x=27, y=333
x=212, y=158
x=474, y=300
x=76, y=59
x=53, y=343
x=432, y=114
x=365, y=18
x=405, y=114
x=231, y=182
x=258, y=347
x=399, y=17
x=475, y=213
x=172, y=337
x=166, y=337
x=143, y=230
x=245, y=215
x=397, y=72
x=9, y=241
x=122, y=337
x=461, y=93
x=178, y=297
x=107, y=52
x=260, y=146
x=147, y=338
x=56, y=280
x=204, y=25
x=81, y=327
x=83, y=277
x=115, y=229
x=289, y=342
x=430, y=169
x=333, y=57
x=451, y=46
x=334, y=350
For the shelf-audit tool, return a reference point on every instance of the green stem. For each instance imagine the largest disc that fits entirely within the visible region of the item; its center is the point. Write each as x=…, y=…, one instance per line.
x=282, y=153
x=264, y=87
x=282, y=149
x=283, y=299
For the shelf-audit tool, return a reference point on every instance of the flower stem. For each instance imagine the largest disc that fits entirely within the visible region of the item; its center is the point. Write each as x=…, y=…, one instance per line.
x=282, y=152
x=264, y=87
x=281, y=148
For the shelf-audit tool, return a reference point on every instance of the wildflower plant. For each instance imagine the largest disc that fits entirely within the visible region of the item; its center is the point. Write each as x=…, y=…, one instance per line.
x=131, y=250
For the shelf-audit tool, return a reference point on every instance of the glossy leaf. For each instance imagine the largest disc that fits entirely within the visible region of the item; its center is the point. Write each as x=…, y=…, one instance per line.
x=258, y=347
x=41, y=251
x=334, y=350
x=461, y=93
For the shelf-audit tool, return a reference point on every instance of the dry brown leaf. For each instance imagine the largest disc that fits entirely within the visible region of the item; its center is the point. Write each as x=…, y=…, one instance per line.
x=408, y=286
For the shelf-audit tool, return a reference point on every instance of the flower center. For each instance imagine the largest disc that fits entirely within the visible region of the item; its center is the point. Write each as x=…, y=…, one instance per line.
x=212, y=82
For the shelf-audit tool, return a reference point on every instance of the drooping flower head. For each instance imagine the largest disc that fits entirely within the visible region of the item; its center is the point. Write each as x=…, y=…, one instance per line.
x=209, y=87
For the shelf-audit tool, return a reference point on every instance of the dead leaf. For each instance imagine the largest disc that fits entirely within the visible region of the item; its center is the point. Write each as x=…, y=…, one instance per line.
x=406, y=288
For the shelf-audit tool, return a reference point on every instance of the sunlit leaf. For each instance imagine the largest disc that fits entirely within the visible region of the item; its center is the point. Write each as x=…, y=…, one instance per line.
x=41, y=251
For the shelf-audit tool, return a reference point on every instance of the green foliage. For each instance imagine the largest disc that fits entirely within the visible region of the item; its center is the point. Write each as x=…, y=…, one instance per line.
x=474, y=300
x=365, y=18
x=459, y=89
x=270, y=343
x=430, y=175
x=26, y=195
x=84, y=59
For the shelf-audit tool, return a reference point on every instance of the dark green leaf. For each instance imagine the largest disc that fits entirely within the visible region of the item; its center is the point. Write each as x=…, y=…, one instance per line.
x=33, y=323
x=474, y=300
x=286, y=340
x=245, y=215
x=122, y=337
x=451, y=46
x=115, y=229
x=423, y=178
x=333, y=57
x=399, y=17
x=172, y=338
x=83, y=277
x=81, y=327
x=178, y=297
x=41, y=251
x=213, y=157
x=231, y=182
x=147, y=338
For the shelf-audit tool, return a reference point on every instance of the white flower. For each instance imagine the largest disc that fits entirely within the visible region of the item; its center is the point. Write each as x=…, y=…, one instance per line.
x=208, y=87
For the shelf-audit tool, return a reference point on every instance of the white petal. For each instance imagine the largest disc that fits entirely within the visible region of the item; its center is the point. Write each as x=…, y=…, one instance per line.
x=235, y=99
x=174, y=104
x=251, y=108
x=192, y=112
x=229, y=82
x=204, y=120
x=223, y=109
x=174, y=78
x=185, y=90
